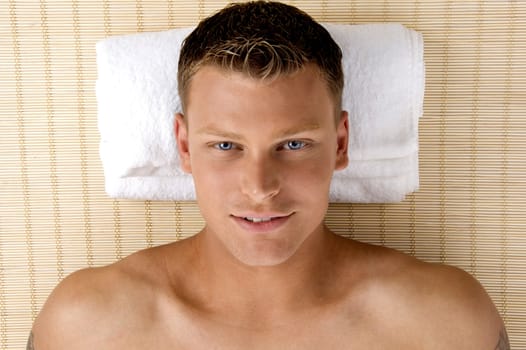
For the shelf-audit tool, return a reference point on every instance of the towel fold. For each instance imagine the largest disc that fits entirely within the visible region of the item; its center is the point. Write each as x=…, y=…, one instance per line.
x=384, y=89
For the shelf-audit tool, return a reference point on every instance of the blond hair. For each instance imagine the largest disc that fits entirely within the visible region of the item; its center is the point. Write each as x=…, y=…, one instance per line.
x=264, y=40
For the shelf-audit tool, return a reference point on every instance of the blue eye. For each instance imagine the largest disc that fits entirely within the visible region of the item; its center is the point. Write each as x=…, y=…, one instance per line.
x=295, y=145
x=224, y=146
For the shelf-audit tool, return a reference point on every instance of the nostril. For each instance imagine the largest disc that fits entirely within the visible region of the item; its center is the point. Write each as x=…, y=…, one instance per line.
x=260, y=180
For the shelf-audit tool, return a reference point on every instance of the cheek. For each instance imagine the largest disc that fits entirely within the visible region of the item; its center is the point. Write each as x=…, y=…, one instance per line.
x=211, y=191
x=309, y=183
x=307, y=176
x=316, y=171
x=212, y=181
x=208, y=177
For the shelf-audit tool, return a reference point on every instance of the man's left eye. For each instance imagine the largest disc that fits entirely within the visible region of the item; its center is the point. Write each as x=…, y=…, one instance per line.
x=294, y=145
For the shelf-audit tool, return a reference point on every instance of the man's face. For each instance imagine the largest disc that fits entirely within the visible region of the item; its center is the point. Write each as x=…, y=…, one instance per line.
x=262, y=155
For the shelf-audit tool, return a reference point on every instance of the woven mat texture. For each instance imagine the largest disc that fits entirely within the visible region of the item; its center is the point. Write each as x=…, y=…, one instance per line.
x=55, y=217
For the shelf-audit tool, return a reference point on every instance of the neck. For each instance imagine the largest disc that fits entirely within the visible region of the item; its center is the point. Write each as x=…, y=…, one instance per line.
x=298, y=283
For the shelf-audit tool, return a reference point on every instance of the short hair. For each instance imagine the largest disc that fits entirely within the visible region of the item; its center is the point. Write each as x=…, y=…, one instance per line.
x=264, y=40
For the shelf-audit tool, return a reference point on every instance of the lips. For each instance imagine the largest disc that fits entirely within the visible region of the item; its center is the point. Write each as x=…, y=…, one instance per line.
x=261, y=223
x=257, y=220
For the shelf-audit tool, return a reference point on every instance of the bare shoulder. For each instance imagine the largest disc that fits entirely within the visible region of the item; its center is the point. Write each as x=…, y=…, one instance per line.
x=77, y=302
x=90, y=305
x=446, y=306
x=474, y=305
x=457, y=307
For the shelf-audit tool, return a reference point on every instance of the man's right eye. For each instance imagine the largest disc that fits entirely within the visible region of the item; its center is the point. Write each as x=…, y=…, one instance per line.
x=224, y=146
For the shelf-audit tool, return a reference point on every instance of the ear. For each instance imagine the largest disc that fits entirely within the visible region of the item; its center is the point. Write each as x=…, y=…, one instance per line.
x=342, y=136
x=181, y=136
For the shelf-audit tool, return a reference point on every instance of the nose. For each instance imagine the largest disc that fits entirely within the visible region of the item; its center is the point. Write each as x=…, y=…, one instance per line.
x=260, y=179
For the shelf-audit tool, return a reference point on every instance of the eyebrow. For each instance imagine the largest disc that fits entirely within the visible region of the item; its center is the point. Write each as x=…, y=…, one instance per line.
x=215, y=131
x=297, y=129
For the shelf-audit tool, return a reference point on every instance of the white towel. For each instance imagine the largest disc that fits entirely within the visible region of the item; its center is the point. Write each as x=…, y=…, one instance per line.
x=384, y=88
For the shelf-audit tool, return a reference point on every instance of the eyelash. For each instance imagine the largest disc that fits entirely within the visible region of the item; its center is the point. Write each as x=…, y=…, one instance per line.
x=285, y=145
x=302, y=143
x=218, y=146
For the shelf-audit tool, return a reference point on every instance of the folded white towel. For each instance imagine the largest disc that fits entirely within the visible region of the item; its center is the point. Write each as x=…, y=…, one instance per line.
x=384, y=86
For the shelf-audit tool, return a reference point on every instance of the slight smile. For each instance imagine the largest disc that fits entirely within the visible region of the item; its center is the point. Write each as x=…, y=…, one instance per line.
x=262, y=222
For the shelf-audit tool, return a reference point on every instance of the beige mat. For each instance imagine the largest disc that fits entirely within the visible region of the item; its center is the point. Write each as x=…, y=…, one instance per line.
x=55, y=217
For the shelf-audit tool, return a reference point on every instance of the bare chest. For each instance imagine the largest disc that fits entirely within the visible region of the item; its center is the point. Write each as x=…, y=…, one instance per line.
x=336, y=331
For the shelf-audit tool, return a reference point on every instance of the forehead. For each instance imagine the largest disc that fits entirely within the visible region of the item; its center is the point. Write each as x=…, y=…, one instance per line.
x=219, y=94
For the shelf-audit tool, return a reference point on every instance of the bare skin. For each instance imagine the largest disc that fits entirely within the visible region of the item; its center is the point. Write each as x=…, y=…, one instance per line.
x=375, y=298
x=288, y=283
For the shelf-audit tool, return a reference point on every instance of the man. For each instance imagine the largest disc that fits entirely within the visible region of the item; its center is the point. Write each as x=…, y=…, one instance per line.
x=262, y=133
